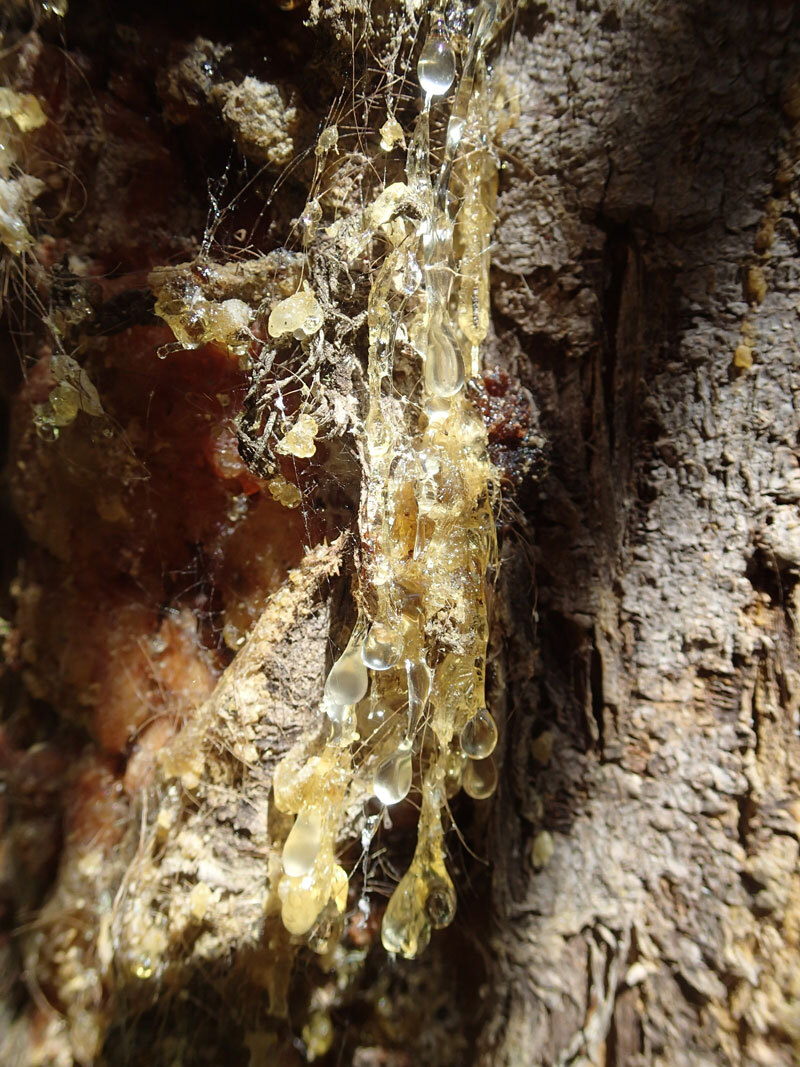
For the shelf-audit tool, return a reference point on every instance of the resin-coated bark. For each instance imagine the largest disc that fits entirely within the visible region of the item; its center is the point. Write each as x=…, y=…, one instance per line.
x=641, y=899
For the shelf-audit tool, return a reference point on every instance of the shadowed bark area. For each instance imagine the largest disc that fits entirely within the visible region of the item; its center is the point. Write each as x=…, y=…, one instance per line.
x=631, y=896
x=646, y=251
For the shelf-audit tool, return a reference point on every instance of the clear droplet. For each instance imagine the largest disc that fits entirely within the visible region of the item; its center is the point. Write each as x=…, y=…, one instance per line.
x=440, y=905
x=302, y=844
x=418, y=677
x=335, y=712
x=453, y=773
x=348, y=679
x=436, y=67
x=480, y=778
x=375, y=718
x=406, y=928
x=479, y=736
x=392, y=779
x=409, y=277
x=382, y=648
x=444, y=369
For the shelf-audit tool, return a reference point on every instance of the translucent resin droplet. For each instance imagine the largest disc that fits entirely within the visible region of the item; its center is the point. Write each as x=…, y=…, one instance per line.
x=382, y=648
x=444, y=369
x=339, y=887
x=302, y=844
x=392, y=779
x=406, y=929
x=480, y=778
x=453, y=773
x=348, y=679
x=335, y=712
x=479, y=736
x=302, y=900
x=440, y=906
x=374, y=719
x=418, y=677
x=436, y=67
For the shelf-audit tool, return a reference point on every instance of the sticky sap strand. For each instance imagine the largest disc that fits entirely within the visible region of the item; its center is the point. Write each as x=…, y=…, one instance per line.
x=302, y=844
x=348, y=680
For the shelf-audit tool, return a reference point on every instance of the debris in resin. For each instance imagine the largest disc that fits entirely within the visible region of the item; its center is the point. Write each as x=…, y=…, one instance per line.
x=299, y=441
x=414, y=668
x=392, y=134
x=299, y=314
x=285, y=492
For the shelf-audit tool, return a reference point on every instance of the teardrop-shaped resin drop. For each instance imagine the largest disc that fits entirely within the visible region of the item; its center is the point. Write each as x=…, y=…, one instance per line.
x=392, y=779
x=406, y=928
x=444, y=368
x=418, y=677
x=453, y=773
x=348, y=679
x=440, y=905
x=479, y=736
x=374, y=719
x=480, y=778
x=302, y=900
x=436, y=67
x=382, y=648
x=336, y=712
x=302, y=844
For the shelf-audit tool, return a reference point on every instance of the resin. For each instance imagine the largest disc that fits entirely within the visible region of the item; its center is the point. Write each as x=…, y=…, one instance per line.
x=404, y=711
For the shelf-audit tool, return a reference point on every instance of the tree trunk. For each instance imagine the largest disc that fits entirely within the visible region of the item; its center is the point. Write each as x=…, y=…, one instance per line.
x=631, y=895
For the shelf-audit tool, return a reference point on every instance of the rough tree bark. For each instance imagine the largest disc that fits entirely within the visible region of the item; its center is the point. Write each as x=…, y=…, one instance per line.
x=632, y=894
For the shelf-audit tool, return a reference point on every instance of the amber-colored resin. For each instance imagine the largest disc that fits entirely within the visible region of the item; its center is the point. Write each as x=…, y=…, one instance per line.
x=406, y=698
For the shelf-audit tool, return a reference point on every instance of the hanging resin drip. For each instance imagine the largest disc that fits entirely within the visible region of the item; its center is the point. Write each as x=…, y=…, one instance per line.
x=480, y=778
x=406, y=929
x=382, y=647
x=302, y=844
x=426, y=520
x=392, y=780
x=348, y=680
x=418, y=679
x=436, y=67
x=479, y=736
x=425, y=897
